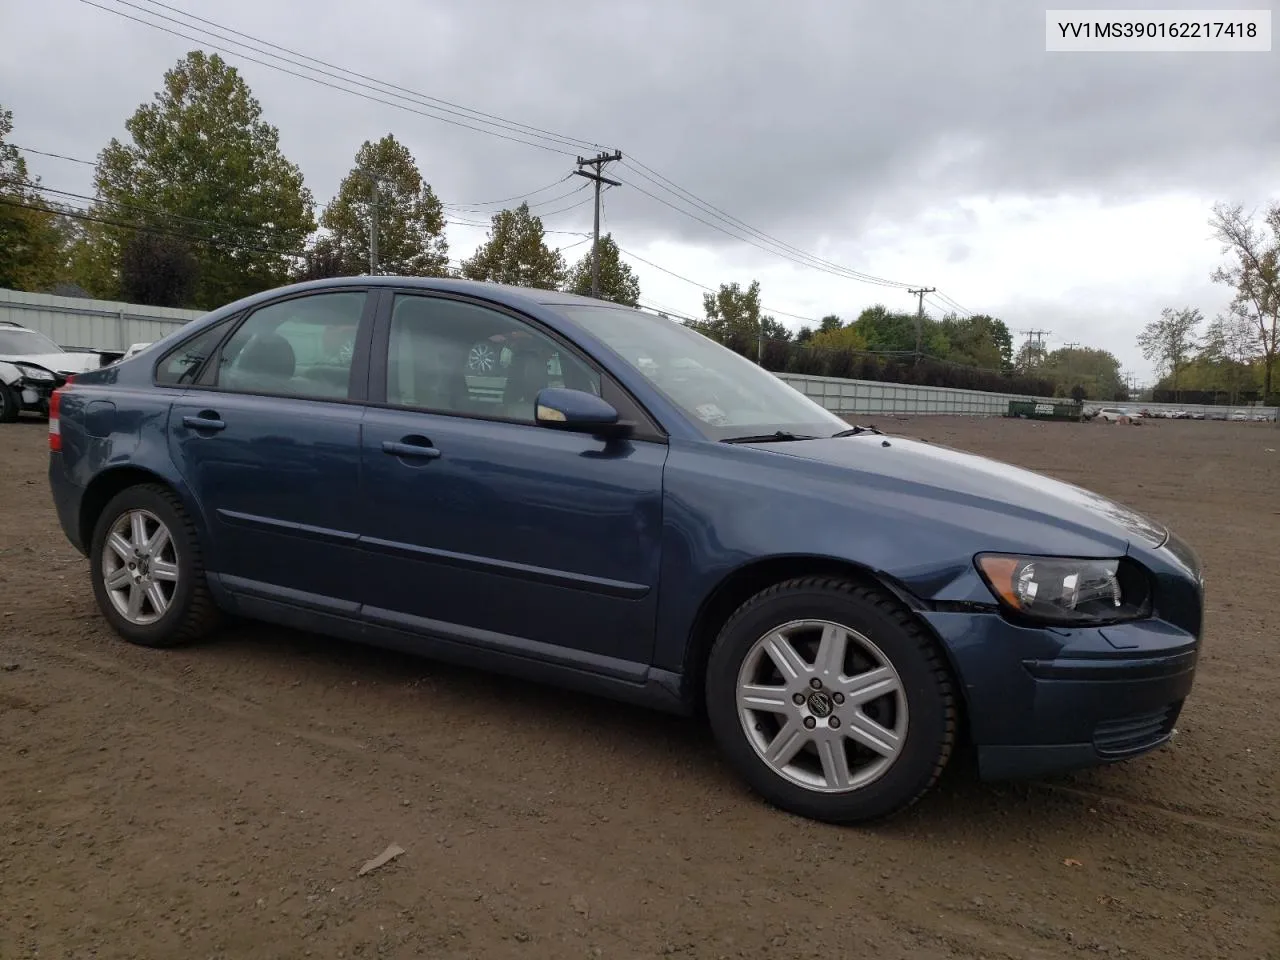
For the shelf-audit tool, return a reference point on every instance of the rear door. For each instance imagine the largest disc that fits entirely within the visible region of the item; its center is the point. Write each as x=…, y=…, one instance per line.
x=482, y=526
x=268, y=440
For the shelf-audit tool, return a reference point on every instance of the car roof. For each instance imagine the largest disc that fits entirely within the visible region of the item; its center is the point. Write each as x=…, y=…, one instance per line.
x=483, y=288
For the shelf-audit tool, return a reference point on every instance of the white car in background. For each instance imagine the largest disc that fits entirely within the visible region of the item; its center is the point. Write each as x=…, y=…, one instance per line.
x=1112, y=414
x=32, y=366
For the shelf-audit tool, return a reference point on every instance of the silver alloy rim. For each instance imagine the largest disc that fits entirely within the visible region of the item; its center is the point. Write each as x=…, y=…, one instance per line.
x=822, y=706
x=140, y=567
x=482, y=358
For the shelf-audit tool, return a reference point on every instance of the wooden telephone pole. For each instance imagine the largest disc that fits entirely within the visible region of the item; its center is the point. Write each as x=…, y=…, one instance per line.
x=920, y=316
x=597, y=162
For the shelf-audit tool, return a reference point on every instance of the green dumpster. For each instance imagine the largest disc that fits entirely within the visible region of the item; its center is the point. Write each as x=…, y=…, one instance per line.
x=1046, y=409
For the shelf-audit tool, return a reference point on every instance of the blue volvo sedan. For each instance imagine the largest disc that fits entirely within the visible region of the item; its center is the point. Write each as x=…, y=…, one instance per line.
x=593, y=496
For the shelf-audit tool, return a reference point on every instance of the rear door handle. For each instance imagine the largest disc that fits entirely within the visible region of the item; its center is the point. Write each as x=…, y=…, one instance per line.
x=422, y=450
x=206, y=421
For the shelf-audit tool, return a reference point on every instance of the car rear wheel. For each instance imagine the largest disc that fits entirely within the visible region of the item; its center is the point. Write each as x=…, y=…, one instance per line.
x=9, y=405
x=148, y=570
x=831, y=700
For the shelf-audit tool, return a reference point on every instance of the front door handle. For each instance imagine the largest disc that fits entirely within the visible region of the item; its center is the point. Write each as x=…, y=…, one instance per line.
x=411, y=447
x=207, y=420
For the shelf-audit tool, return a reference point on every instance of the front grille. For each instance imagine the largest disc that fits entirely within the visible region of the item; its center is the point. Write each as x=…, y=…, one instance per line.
x=1140, y=731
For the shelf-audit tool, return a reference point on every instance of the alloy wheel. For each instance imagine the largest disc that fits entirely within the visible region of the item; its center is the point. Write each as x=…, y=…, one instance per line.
x=822, y=706
x=140, y=567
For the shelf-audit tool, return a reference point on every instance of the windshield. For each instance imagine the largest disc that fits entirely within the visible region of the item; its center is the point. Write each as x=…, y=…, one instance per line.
x=724, y=394
x=20, y=342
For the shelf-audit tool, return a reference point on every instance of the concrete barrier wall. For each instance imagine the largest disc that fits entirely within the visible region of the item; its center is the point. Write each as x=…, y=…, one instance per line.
x=80, y=323
x=869, y=396
x=847, y=397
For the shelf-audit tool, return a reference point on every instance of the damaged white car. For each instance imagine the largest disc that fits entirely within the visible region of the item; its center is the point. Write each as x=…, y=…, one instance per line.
x=32, y=366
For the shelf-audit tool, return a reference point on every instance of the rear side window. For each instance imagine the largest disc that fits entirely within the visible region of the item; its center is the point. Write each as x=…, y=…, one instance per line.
x=301, y=347
x=182, y=364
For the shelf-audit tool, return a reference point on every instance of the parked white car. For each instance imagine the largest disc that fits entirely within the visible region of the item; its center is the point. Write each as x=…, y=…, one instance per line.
x=32, y=366
x=1112, y=414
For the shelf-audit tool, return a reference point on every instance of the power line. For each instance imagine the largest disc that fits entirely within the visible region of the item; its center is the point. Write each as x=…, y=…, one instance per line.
x=356, y=93
x=518, y=196
x=78, y=214
x=435, y=106
x=478, y=114
x=669, y=186
x=56, y=156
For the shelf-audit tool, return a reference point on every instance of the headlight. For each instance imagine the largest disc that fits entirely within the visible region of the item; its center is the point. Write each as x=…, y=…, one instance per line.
x=1067, y=591
x=36, y=373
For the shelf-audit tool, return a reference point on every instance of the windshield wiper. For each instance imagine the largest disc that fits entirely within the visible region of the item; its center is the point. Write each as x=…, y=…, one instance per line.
x=775, y=437
x=854, y=431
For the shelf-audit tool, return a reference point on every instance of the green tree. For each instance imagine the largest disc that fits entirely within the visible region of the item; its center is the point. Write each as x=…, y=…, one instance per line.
x=839, y=338
x=516, y=252
x=1095, y=371
x=830, y=322
x=157, y=269
x=34, y=239
x=618, y=284
x=887, y=331
x=411, y=240
x=979, y=341
x=1169, y=341
x=203, y=162
x=1254, y=273
x=732, y=316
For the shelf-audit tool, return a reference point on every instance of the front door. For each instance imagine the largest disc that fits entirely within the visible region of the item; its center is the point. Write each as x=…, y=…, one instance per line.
x=269, y=442
x=482, y=526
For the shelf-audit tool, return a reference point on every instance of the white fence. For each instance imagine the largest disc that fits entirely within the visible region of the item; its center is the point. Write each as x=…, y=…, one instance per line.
x=870, y=396
x=847, y=397
x=80, y=323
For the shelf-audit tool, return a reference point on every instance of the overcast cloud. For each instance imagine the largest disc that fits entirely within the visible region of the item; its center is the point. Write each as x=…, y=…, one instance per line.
x=929, y=142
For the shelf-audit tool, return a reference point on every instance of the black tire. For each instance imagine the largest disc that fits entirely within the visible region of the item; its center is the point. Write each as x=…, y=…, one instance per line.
x=10, y=405
x=928, y=690
x=191, y=614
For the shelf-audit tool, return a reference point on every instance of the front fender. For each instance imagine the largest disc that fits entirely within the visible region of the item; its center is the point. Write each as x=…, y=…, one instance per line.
x=9, y=374
x=726, y=507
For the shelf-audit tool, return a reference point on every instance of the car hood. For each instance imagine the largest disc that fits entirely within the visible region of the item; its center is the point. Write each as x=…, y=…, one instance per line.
x=943, y=473
x=69, y=362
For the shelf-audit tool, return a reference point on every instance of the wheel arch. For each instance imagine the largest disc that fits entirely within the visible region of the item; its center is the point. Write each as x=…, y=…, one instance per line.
x=737, y=587
x=110, y=482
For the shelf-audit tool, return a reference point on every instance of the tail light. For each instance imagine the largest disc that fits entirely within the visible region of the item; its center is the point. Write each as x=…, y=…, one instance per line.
x=55, y=422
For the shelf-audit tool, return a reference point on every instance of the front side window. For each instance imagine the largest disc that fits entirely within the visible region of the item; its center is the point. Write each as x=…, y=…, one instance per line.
x=301, y=347
x=723, y=393
x=457, y=357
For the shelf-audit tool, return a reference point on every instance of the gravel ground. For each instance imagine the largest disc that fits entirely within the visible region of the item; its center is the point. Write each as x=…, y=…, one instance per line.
x=218, y=801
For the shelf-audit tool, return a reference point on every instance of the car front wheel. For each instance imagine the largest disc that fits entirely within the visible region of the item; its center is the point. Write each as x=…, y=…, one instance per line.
x=831, y=700
x=9, y=404
x=148, y=570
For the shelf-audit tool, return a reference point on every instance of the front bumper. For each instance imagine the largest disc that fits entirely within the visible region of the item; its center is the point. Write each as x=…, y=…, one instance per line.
x=34, y=394
x=1044, y=701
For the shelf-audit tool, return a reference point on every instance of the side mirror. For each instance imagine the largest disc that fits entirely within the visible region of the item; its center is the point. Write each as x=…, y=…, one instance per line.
x=579, y=412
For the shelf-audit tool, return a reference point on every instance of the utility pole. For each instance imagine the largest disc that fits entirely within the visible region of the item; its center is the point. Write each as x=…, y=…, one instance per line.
x=597, y=162
x=373, y=230
x=920, y=316
x=1067, y=348
x=1038, y=336
x=373, y=217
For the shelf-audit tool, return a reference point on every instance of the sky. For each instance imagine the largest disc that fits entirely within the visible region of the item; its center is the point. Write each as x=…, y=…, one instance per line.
x=923, y=143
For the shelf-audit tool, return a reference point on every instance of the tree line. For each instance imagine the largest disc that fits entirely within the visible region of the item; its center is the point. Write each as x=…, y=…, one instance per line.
x=1233, y=357
x=200, y=206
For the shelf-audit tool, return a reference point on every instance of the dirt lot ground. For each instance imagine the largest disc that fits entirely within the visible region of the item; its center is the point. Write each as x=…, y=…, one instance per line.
x=218, y=801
